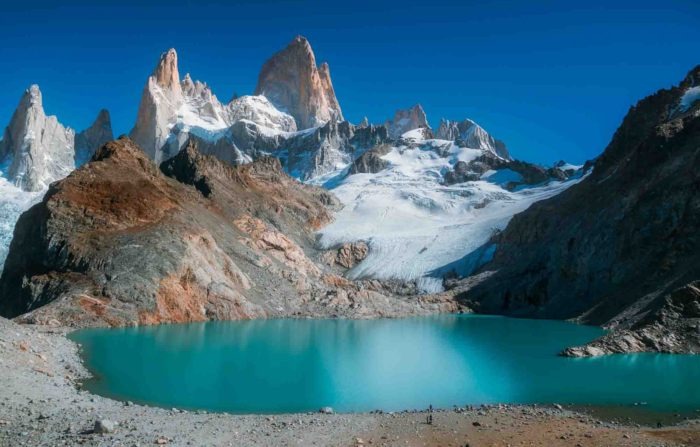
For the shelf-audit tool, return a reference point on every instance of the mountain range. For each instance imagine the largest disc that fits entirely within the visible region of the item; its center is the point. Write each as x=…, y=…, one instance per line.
x=274, y=205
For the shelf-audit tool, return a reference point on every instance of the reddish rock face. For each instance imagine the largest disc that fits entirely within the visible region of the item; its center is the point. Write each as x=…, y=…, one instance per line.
x=292, y=82
x=166, y=73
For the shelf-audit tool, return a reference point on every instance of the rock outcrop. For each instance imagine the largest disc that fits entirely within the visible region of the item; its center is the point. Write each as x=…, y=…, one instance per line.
x=291, y=80
x=526, y=173
x=371, y=161
x=121, y=242
x=407, y=119
x=92, y=138
x=347, y=255
x=467, y=133
x=37, y=147
x=612, y=249
x=673, y=328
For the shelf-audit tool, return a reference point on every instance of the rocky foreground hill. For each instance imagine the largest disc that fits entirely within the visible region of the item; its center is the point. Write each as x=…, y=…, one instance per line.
x=122, y=242
x=619, y=249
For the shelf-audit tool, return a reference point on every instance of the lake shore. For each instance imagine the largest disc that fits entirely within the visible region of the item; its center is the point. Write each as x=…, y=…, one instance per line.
x=41, y=404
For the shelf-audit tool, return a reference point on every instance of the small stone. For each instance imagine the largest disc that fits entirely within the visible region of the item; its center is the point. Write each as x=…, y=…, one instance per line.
x=326, y=410
x=476, y=424
x=103, y=426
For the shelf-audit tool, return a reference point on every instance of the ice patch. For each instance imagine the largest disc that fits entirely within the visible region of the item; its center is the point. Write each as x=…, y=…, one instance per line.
x=502, y=176
x=689, y=98
x=13, y=202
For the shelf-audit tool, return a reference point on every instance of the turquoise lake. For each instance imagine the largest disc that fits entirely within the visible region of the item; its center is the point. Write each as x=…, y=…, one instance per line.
x=278, y=366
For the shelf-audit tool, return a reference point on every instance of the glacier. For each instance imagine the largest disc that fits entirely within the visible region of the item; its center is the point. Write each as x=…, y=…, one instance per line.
x=417, y=228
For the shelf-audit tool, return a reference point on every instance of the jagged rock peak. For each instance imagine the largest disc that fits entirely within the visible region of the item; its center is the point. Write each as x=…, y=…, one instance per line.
x=407, y=119
x=470, y=134
x=292, y=82
x=166, y=73
x=172, y=109
x=364, y=123
x=37, y=147
x=90, y=139
x=32, y=96
x=160, y=101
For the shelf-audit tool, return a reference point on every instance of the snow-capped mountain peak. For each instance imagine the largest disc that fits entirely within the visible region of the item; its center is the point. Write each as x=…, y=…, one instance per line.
x=37, y=148
x=407, y=119
x=470, y=134
x=172, y=109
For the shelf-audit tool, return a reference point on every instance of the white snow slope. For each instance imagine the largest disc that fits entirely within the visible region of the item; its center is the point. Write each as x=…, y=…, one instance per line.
x=416, y=227
x=689, y=98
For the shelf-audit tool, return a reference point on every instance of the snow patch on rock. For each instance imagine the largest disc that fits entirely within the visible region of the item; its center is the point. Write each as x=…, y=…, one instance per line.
x=689, y=98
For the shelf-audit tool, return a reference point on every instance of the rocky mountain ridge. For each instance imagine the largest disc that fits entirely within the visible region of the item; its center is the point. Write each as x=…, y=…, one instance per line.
x=294, y=115
x=620, y=248
x=121, y=242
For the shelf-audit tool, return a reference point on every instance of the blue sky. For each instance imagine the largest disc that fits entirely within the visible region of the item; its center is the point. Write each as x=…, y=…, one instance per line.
x=551, y=79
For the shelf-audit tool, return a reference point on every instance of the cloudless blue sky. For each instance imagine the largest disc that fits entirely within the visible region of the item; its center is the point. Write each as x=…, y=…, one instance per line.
x=551, y=79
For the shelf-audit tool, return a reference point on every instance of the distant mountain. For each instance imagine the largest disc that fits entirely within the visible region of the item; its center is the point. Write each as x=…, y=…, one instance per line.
x=407, y=119
x=294, y=103
x=37, y=149
x=470, y=134
x=621, y=248
x=92, y=138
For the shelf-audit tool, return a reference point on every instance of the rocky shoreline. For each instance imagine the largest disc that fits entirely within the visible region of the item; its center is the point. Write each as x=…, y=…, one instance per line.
x=41, y=404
